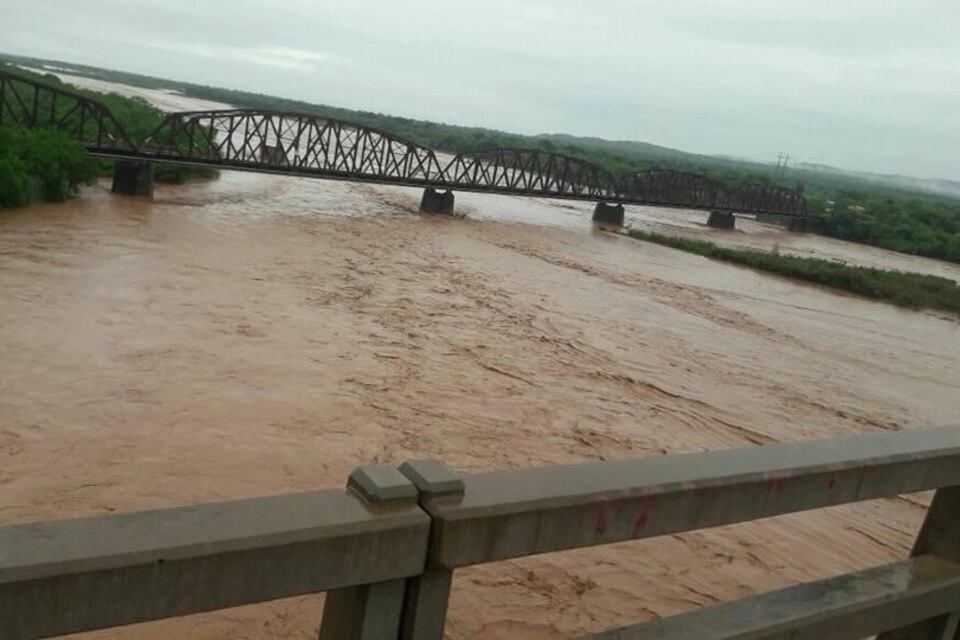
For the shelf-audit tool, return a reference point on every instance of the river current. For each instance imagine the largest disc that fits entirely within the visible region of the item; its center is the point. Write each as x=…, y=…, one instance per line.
x=260, y=334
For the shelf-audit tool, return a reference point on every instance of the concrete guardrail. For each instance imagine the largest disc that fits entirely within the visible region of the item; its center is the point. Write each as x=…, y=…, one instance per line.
x=385, y=549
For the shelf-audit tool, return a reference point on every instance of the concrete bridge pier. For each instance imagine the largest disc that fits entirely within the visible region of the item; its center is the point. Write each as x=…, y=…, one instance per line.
x=133, y=178
x=800, y=224
x=606, y=213
x=434, y=201
x=722, y=220
x=803, y=225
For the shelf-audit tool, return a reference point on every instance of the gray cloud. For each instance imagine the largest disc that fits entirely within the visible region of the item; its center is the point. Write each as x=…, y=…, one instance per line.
x=863, y=84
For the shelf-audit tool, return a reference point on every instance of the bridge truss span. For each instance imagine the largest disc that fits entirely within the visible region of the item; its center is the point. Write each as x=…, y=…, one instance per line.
x=664, y=187
x=25, y=104
x=530, y=172
x=323, y=147
x=291, y=143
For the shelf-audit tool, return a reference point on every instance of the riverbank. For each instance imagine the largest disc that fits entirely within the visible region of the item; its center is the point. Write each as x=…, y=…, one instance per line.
x=911, y=290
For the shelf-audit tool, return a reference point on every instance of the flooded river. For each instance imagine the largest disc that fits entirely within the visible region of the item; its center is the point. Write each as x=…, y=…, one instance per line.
x=260, y=334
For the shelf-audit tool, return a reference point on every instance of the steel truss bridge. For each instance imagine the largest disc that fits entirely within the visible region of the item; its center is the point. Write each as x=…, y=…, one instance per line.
x=320, y=147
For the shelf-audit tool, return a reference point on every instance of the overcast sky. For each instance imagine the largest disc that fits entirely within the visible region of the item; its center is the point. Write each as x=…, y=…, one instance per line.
x=861, y=84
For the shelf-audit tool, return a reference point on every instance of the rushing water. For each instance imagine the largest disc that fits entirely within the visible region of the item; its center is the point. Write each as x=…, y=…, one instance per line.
x=260, y=334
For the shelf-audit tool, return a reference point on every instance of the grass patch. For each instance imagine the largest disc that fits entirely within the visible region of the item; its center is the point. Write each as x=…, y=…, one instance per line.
x=912, y=290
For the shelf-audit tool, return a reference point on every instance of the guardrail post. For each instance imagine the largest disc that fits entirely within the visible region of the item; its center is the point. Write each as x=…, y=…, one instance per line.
x=434, y=201
x=371, y=611
x=607, y=213
x=427, y=595
x=133, y=178
x=940, y=536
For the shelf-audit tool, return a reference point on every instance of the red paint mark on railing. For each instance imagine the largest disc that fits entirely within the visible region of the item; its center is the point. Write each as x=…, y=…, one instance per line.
x=600, y=526
x=638, y=525
x=778, y=484
x=643, y=516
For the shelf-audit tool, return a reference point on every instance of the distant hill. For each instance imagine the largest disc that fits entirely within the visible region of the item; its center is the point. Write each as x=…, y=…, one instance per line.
x=943, y=187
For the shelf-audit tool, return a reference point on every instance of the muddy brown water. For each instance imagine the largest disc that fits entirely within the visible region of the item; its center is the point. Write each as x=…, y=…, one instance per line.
x=260, y=334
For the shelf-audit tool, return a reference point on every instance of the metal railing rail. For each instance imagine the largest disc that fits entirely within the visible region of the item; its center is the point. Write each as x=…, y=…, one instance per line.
x=385, y=549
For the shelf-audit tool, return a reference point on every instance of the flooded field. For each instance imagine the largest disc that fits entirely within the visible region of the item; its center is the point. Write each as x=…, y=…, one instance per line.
x=260, y=334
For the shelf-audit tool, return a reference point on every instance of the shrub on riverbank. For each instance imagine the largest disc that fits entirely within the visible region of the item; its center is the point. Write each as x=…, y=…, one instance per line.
x=40, y=164
x=913, y=290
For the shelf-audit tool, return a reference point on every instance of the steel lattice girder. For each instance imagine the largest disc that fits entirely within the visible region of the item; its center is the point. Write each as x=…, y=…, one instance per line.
x=313, y=145
x=27, y=104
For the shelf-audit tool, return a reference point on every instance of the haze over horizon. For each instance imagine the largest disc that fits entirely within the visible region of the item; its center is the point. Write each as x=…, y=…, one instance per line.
x=866, y=85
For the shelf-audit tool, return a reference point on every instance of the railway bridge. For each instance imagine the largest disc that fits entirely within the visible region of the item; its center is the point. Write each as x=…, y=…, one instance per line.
x=315, y=146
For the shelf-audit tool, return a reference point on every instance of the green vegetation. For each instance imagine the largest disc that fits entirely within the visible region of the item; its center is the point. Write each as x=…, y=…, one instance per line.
x=921, y=224
x=40, y=165
x=913, y=290
x=885, y=211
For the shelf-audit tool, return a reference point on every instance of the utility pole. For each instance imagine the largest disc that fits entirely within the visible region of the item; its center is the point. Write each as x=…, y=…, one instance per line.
x=783, y=158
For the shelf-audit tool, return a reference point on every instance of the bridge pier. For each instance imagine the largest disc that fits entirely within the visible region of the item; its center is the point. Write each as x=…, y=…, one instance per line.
x=722, y=220
x=133, y=178
x=800, y=224
x=803, y=224
x=608, y=213
x=434, y=201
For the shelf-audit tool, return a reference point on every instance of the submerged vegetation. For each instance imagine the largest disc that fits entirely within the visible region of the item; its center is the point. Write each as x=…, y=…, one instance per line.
x=912, y=290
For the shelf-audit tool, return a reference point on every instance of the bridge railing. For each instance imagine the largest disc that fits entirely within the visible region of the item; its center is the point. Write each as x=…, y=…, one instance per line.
x=77, y=575
x=388, y=547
